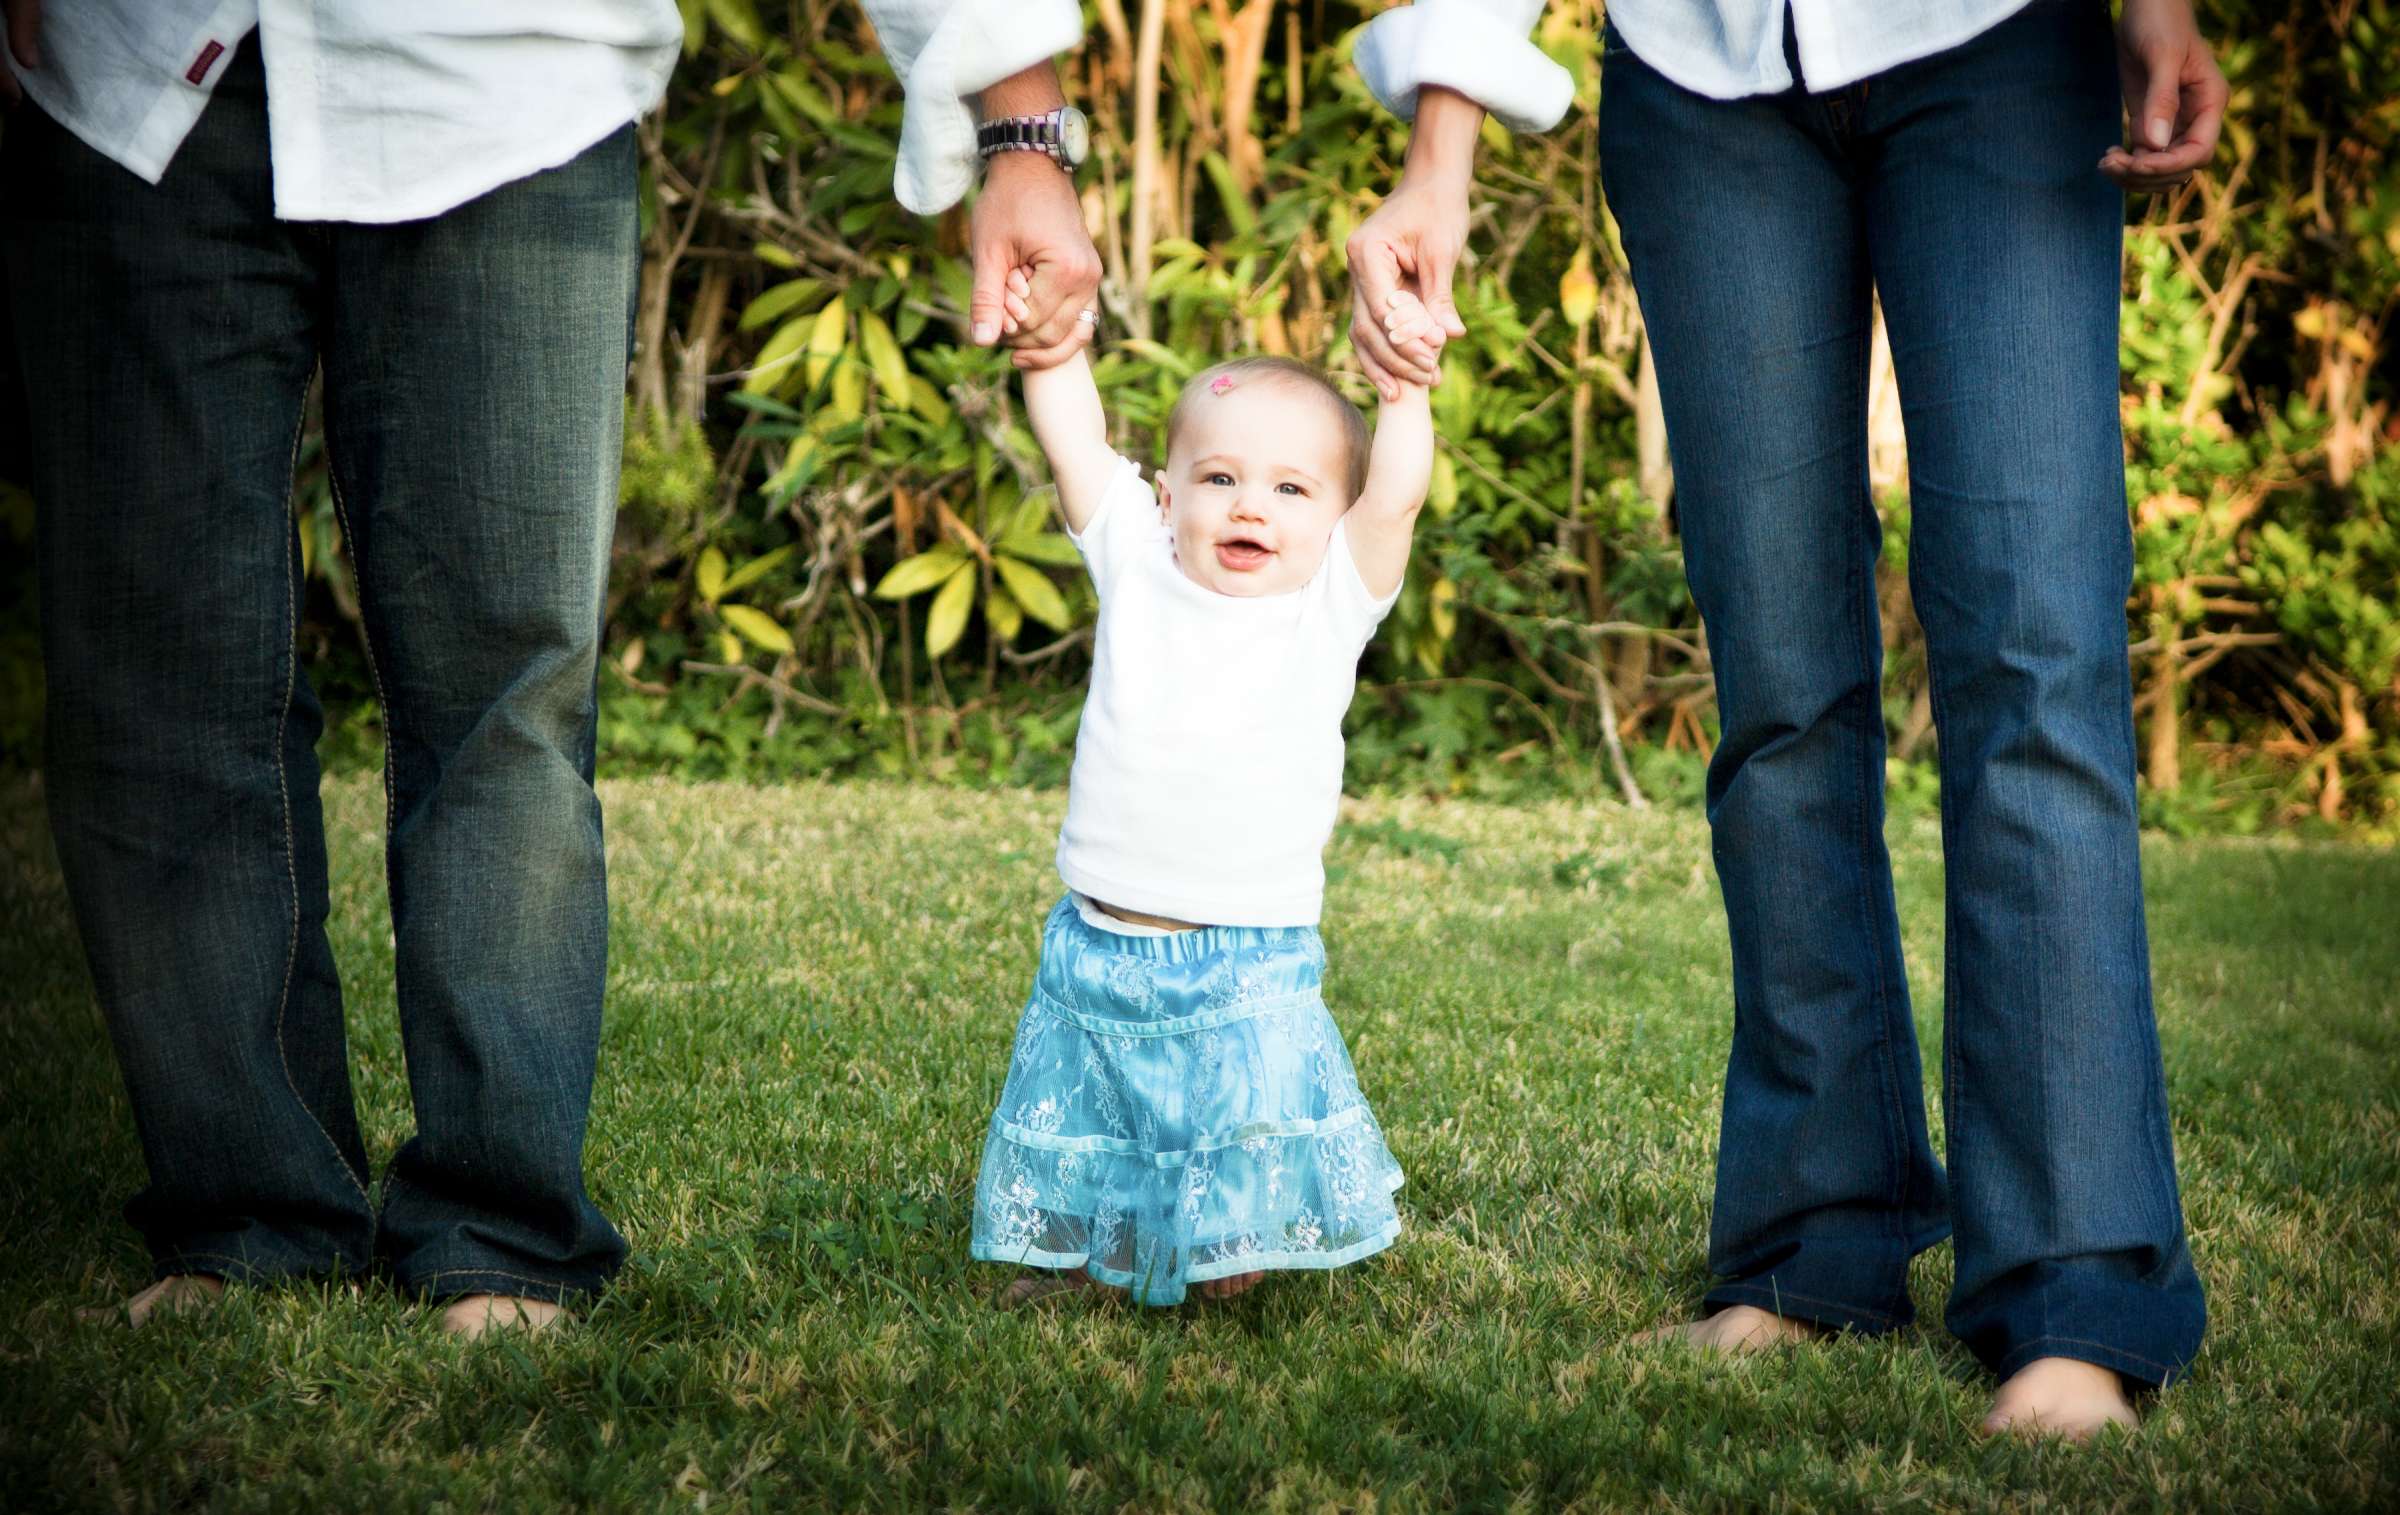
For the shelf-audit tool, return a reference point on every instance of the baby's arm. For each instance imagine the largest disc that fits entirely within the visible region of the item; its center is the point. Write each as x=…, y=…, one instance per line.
x=1063, y=403
x=1399, y=468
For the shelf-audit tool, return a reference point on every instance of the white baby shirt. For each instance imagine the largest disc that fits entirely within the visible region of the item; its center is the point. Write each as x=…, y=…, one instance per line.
x=1208, y=768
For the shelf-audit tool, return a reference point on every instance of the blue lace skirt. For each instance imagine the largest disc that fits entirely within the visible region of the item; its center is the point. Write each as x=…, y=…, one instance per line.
x=1181, y=1108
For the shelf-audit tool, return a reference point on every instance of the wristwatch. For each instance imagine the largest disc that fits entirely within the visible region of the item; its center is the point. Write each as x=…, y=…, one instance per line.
x=1063, y=135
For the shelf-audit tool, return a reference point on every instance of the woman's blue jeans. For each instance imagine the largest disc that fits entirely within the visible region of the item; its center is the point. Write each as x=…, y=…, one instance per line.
x=1962, y=188
x=473, y=395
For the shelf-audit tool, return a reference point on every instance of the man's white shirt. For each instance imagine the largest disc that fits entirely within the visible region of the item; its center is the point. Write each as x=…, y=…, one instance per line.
x=377, y=110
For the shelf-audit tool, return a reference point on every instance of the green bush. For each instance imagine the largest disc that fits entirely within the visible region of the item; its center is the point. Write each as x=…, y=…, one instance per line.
x=837, y=550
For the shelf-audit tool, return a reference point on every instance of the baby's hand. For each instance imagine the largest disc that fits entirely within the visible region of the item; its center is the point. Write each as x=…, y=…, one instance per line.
x=1412, y=328
x=1015, y=312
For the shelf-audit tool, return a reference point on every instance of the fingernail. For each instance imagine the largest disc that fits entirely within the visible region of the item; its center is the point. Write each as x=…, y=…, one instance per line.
x=984, y=332
x=2161, y=129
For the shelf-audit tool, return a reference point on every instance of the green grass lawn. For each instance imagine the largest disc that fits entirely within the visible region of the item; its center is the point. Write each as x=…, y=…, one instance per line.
x=812, y=994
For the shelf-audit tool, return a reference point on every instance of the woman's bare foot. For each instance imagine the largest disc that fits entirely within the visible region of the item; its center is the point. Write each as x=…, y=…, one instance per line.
x=2060, y=1396
x=174, y=1294
x=1227, y=1288
x=1736, y=1328
x=472, y=1315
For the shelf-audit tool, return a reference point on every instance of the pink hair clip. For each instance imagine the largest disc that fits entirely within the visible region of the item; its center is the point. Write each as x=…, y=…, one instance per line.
x=1222, y=384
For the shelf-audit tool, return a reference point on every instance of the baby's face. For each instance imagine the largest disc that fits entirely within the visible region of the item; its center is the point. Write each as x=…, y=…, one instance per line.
x=1253, y=487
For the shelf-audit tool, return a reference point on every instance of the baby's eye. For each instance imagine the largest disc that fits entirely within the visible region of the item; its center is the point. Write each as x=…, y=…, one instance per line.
x=1288, y=487
x=1219, y=477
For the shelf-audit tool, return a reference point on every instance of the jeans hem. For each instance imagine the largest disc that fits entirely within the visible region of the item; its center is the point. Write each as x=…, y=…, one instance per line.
x=232, y=1267
x=2146, y=1372
x=446, y=1284
x=1836, y=1314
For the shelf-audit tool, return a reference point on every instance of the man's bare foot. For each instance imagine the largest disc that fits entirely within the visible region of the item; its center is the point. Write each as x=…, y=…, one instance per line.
x=2060, y=1396
x=471, y=1315
x=174, y=1294
x=1227, y=1288
x=1736, y=1328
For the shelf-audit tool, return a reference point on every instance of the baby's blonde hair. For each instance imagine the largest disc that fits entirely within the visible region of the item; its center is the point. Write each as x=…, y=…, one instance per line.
x=1286, y=371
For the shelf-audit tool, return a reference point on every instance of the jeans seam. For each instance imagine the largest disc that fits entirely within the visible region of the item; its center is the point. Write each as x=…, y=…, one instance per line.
x=283, y=786
x=1861, y=602
x=366, y=638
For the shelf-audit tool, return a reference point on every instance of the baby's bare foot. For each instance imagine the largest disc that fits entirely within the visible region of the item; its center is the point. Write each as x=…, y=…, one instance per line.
x=2060, y=1396
x=172, y=1295
x=1227, y=1288
x=1041, y=1288
x=473, y=1315
x=1737, y=1328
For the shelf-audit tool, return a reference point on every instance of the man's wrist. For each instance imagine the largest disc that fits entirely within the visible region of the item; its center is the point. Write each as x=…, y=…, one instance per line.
x=1029, y=92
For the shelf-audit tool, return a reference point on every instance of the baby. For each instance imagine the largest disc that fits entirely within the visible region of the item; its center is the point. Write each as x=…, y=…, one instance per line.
x=1180, y=1110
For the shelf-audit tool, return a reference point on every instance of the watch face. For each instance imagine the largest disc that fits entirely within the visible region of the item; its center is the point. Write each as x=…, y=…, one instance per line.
x=1074, y=135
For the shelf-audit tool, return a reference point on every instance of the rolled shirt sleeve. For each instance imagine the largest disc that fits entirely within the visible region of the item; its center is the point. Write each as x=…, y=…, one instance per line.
x=945, y=53
x=1478, y=47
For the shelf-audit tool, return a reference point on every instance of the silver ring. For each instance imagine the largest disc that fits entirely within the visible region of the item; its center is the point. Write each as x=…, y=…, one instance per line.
x=1088, y=317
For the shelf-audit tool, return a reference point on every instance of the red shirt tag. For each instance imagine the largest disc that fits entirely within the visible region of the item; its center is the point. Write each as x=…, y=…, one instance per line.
x=208, y=55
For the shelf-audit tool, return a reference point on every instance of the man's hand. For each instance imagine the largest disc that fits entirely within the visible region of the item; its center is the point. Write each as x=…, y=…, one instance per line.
x=2174, y=96
x=1412, y=244
x=1028, y=218
x=24, y=19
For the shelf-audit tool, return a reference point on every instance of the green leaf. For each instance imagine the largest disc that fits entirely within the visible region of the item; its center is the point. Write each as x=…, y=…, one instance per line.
x=776, y=363
x=804, y=95
x=1443, y=493
x=947, y=621
x=799, y=465
x=927, y=402
x=1049, y=548
x=754, y=570
x=883, y=355
x=1167, y=358
x=711, y=575
x=1003, y=614
x=773, y=253
x=1031, y=515
x=1237, y=204
x=779, y=300
x=922, y=572
x=738, y=20
x=849, y=396
x=1034, y=591
x=756, y=626
x=729, y=647
x=827, y=335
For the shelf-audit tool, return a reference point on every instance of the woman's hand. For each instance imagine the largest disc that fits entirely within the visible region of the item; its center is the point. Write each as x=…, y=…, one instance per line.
x=1412, y=244
x=2174, y=96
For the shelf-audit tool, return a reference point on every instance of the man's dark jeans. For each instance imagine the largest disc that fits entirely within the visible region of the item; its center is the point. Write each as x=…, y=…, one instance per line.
x=1962, y=187
x=474, y=378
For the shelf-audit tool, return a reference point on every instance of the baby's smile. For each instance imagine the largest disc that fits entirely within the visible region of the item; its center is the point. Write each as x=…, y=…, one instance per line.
x=1244, y=554
x=1253, y=487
